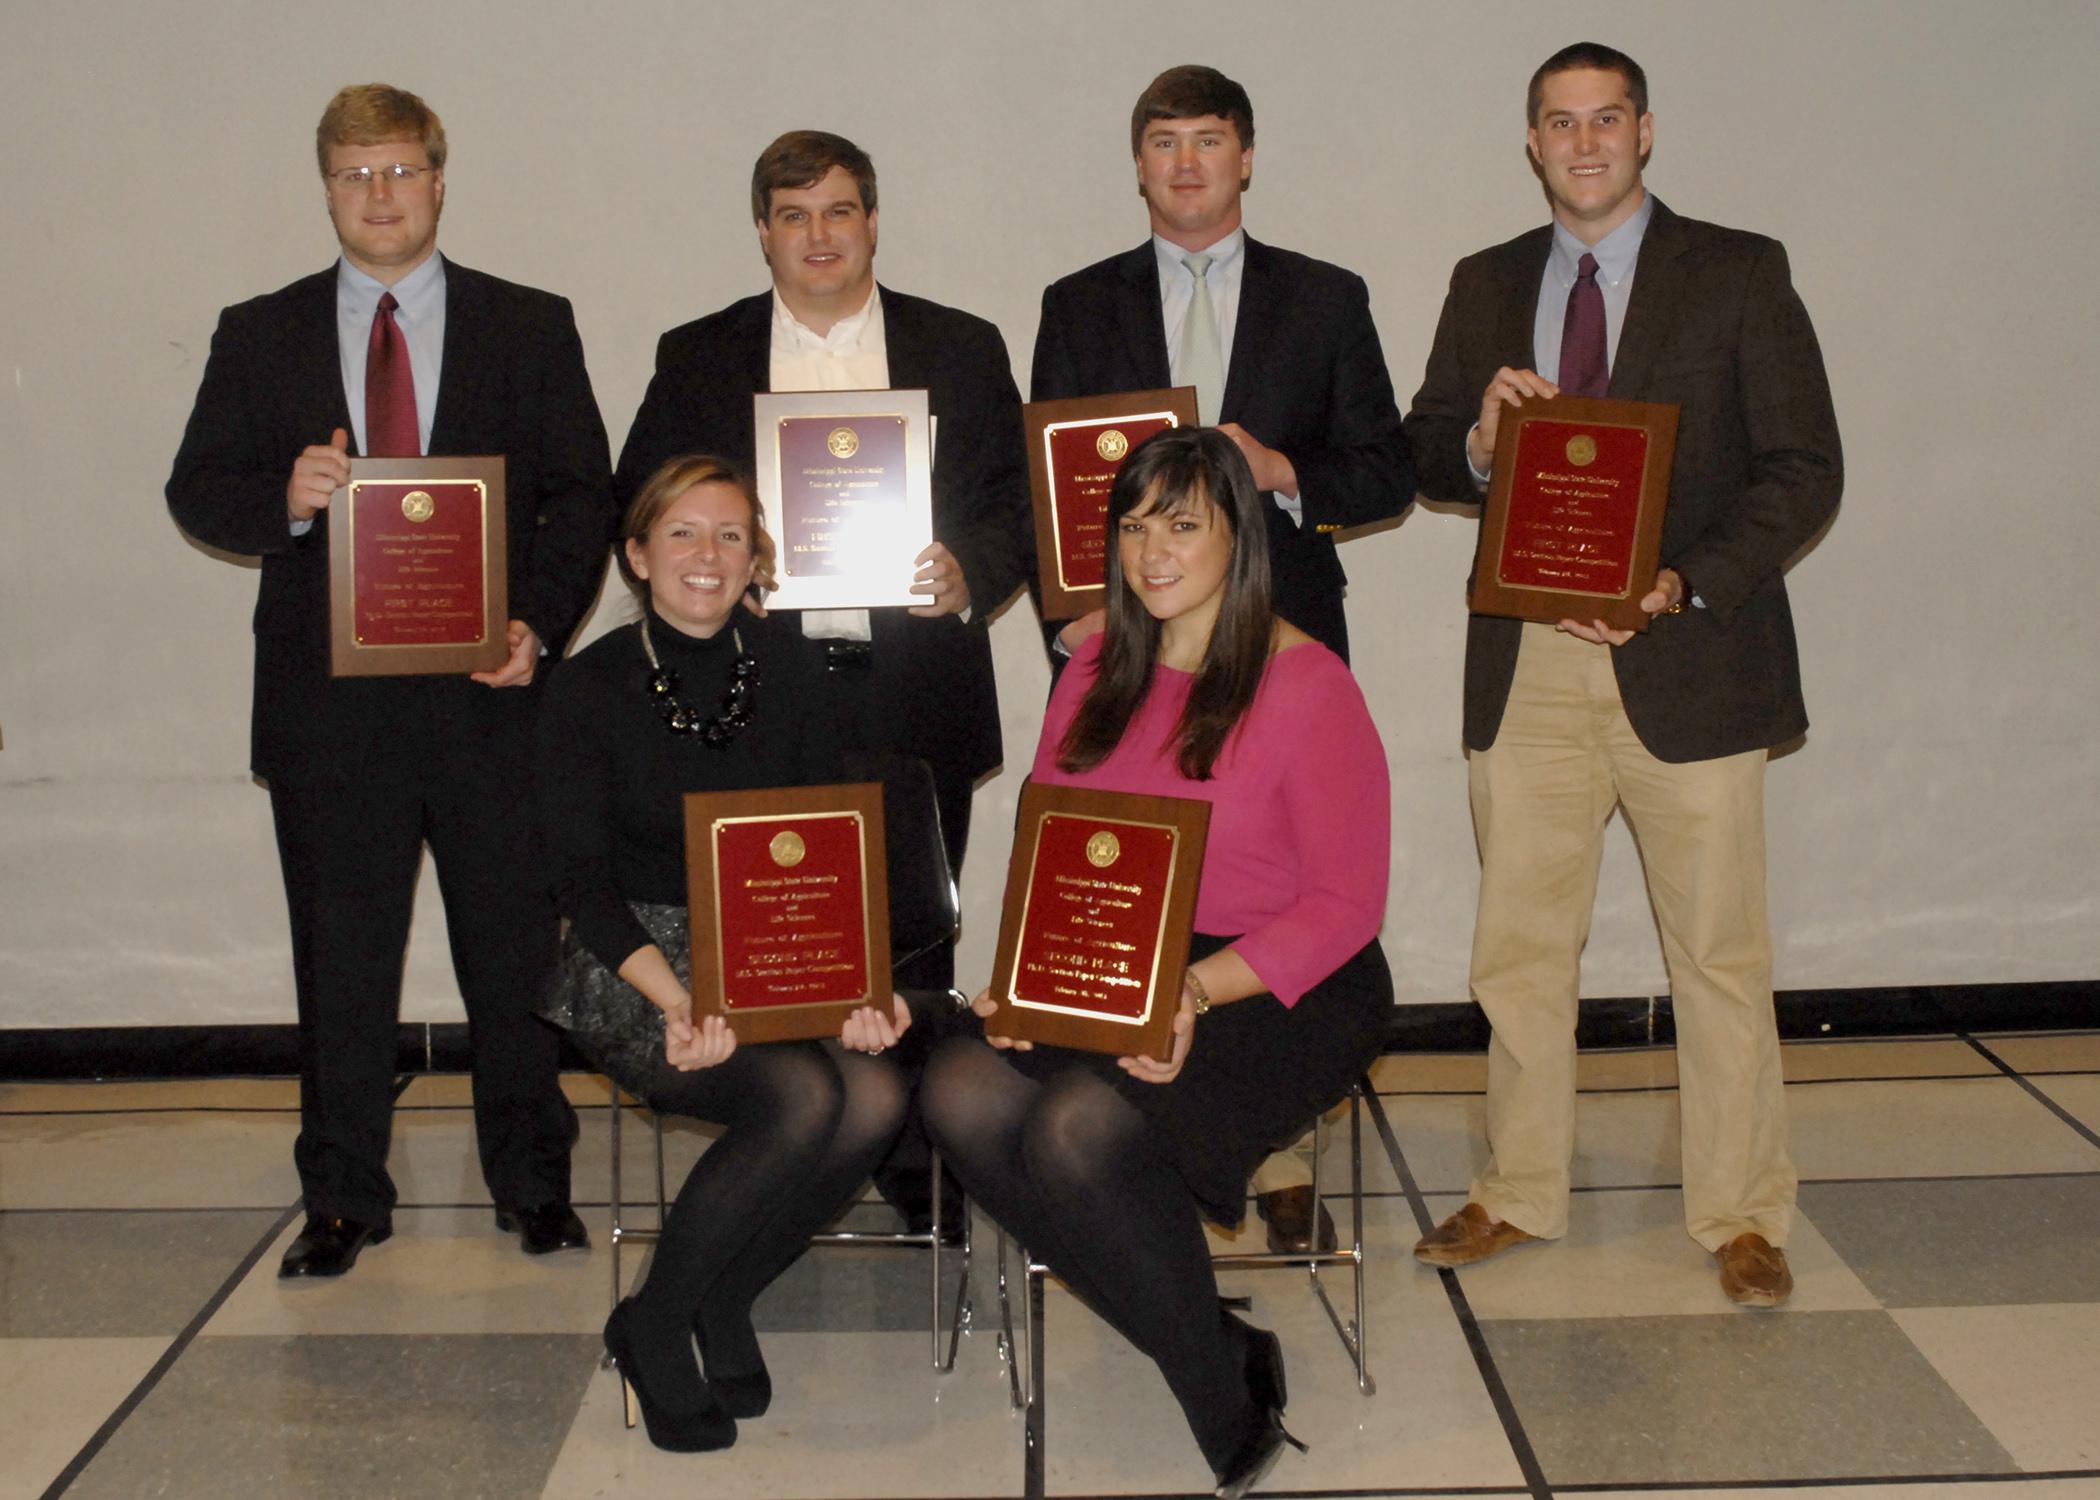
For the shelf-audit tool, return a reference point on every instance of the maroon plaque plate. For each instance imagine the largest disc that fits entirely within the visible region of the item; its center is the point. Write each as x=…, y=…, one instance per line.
x=1075, y=447
x=417, y=574
x=788, y=897
x=845, y=482
x=1573, y=526
x=1100, y=900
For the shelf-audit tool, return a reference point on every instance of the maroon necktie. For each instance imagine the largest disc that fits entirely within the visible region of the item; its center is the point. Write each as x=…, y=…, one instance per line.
x=390, y=389
x=1583, y=371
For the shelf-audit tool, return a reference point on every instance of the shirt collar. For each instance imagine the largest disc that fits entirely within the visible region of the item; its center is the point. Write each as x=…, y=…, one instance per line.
x=847, y=334
x=1616, y=252
x=413, y=293
x=1222, y=252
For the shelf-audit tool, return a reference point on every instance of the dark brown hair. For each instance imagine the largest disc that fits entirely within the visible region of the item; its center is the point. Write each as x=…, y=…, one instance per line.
x=1188, y=93
x=1180, y=470
x=800, y=159
x=672, y=479
x=1588, y=55
x=370, y=114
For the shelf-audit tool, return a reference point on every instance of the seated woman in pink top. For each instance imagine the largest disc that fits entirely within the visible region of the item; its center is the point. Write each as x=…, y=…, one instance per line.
x=1103, y=1166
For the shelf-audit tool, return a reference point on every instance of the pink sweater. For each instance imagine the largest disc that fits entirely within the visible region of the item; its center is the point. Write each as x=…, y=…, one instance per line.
x=1300, y=824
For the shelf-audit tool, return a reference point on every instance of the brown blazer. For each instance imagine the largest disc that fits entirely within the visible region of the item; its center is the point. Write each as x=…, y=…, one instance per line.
x=1713, y=325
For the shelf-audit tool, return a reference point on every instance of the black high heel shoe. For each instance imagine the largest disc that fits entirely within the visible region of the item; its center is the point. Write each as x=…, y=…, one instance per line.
x=1255, y=1456
x=1265, y=1380
x=742, y=1396
x=686, y=1429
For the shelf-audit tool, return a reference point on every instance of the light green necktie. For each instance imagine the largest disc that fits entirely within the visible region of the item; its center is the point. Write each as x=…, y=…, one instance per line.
x=1202, y=358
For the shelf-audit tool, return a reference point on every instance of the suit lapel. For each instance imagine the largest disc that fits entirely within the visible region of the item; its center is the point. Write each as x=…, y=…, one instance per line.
x=752, y=348
x=317, y=357
x=904, y=344
x=1260, y=297
x=1520, y=301
x=1658, y=290
x=1138, y=318
x=466, y=360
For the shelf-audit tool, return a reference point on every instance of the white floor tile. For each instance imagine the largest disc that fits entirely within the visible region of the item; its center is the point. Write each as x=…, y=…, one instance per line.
x=56, y=1393
x=2029, y=1372
x=1933, y=1128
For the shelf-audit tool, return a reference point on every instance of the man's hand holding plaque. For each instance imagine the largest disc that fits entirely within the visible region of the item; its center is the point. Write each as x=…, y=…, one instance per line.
x=1573, y=526
x=1093, y=941
x=1075, y=447
x=418, y=573
x=788, y=900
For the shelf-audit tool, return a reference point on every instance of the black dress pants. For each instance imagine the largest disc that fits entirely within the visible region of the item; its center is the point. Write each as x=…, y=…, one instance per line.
x=350, y=840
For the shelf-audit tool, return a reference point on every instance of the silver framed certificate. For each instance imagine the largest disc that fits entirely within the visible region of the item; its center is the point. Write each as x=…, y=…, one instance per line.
x=845, y=479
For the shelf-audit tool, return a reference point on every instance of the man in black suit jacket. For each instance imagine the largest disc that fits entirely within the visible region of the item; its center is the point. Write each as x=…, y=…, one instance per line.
x=1305, y=392
x=914, y=681
x=1563, y=722
x=364, y=771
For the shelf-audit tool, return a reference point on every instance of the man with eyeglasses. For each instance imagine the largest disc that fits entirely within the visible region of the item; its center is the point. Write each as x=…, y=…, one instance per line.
x=394, y=351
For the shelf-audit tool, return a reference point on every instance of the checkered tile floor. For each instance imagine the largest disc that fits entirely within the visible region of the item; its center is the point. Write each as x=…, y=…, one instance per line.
x=1944, y=1338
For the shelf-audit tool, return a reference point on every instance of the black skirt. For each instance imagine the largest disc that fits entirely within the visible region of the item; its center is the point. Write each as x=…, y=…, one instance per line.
x=1258, y=1074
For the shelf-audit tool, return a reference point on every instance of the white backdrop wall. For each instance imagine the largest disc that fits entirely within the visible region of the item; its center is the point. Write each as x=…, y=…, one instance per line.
x=1929, y=165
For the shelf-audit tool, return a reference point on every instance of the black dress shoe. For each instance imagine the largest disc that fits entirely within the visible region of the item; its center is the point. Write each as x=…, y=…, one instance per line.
x=1254, y=1457
x=330, y=1246
x=677, y=1408
x=546, y=1229
x=1289, y=1214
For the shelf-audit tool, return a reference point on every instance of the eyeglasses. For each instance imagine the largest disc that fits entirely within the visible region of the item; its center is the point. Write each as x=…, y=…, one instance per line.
x=400, y=174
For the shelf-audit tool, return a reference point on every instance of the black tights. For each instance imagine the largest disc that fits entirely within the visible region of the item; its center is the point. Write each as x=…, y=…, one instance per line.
x=1080, y=1176
x=805, y=1122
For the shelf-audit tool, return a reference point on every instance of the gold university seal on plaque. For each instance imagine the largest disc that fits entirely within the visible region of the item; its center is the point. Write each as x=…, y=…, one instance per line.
x=1582, y=450
x=1112, y=445
x=787, y=849
x=418, y=506
x=1102, y=850
x=844, y=442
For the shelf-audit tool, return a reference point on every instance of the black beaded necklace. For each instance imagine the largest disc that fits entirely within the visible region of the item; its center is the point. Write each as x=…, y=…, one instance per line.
x=681, y=717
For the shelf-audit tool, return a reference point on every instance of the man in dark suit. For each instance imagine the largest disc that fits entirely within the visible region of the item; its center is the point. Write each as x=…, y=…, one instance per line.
x=410, y=354
x=1280, y=347
x=1285, y=360
x=1620, y=296
x=909, y=681
x=915, y=681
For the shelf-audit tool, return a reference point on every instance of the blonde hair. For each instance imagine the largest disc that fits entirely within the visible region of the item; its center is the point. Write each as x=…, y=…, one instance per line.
x=673, y=478
x=368, y=114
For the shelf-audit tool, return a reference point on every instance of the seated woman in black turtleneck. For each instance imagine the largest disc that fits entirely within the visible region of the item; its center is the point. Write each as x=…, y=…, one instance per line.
x=700, y=694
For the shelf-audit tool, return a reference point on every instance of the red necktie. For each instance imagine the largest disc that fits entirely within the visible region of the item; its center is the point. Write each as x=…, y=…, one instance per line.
x=390, y=389
x=1583, y=371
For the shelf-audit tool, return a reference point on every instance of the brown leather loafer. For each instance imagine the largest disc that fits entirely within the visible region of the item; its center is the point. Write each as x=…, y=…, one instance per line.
x=1468, y=1236
x=1289, y=1213
x=1754, y=1271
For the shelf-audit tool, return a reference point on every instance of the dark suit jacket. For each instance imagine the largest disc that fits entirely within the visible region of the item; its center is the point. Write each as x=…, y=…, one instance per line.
x=1306, y=377
x=1713, y=325
x=937, y=673
x=513, y=382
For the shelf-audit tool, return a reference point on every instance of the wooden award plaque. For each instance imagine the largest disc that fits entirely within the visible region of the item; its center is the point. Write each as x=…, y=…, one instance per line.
x=418, y=577
x=1573, y=524
x=788, y=899
x=1100, y=901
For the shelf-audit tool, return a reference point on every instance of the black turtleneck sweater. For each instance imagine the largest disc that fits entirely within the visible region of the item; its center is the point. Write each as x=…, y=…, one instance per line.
x=612, y=777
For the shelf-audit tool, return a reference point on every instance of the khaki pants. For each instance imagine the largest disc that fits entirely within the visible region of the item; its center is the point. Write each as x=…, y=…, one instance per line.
x=1564, y=757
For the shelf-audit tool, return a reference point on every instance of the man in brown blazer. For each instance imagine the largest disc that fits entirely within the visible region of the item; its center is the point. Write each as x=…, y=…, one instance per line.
x=1621, y=297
